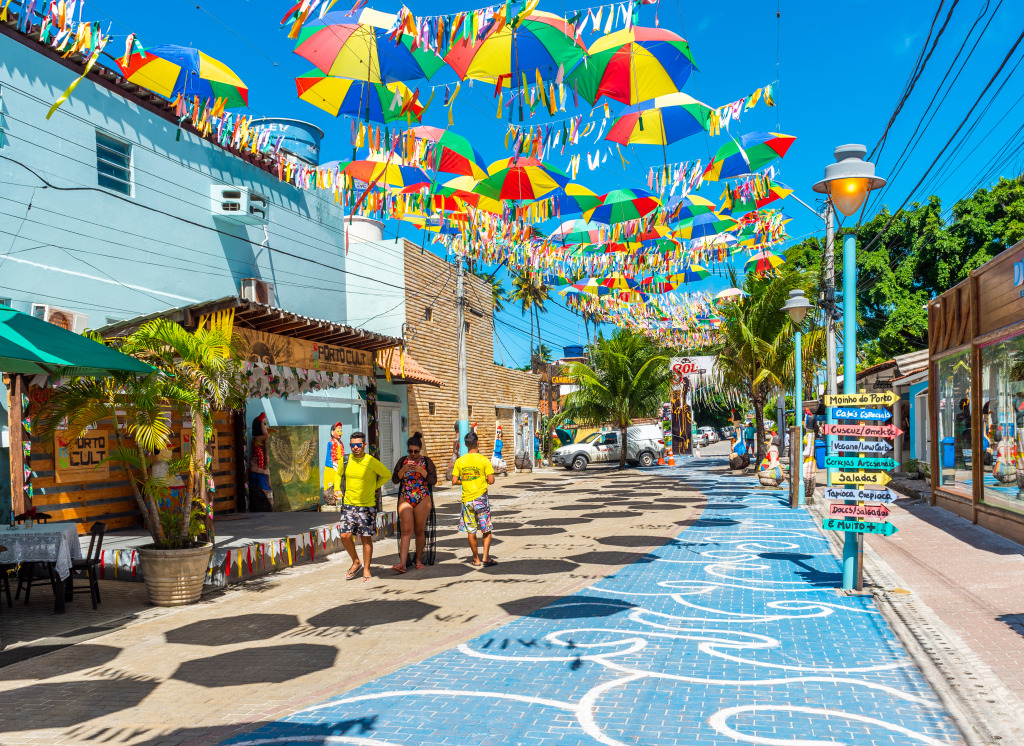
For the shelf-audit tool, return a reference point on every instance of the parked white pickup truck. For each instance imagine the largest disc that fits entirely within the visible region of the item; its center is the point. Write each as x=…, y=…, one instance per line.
x=645, y=444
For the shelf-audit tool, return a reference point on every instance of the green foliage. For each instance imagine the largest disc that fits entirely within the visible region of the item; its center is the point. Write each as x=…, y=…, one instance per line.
x=197, y=374
x=498, y=293
x=628, y=378
x=531, y=294
x=544, y=353
x=920, y=256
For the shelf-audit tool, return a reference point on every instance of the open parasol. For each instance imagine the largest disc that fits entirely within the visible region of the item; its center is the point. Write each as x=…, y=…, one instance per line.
x=170, y=70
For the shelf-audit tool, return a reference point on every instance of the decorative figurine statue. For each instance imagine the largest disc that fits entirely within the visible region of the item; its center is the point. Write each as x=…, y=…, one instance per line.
x=771, y=474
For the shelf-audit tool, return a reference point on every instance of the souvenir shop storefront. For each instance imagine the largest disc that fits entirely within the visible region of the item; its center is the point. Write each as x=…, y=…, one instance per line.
x=976, y=384
x=304, y=376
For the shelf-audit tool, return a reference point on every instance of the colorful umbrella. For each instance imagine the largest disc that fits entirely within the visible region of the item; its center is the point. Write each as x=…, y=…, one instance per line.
x=746, y=155
x=357, y=98
x=572, y=199
x=537, y=47
x=688, y=207
x=661, y=121
x=356, y=44
x=691, y=273
x=521, y=179
x=621, y=205
x=581, y=231
x=729, y=295
x=633, y=65
x=393, y=173
x=461, y=187
x=708, y=224
x=169, y=70
x=451, y=153
x=763, y=261
x=737, y=205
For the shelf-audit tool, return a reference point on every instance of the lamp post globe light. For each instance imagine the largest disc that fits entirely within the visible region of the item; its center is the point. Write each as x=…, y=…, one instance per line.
x=797, y=306
x=847, y=183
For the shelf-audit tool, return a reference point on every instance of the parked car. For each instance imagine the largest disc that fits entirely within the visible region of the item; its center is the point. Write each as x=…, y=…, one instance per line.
x=645, y=444
x=725, y=433
x=700, y=438
x=711, y=433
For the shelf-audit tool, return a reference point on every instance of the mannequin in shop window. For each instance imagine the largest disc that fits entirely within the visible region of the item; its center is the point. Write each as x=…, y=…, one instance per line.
x=334, y=466
x=962, y=432
x=1005, y=467
x=500, y=467
x=261, y=496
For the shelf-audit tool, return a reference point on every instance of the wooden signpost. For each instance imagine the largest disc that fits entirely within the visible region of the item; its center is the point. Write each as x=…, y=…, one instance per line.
x=852, y=413
x=872, y=496
x=860, y=446
x=868, y=512
x=882, y=399
x=879, y=479
x=859, y=527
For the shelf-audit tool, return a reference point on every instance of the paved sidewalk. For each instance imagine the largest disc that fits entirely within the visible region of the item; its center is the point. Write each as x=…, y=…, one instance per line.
x=732, y=632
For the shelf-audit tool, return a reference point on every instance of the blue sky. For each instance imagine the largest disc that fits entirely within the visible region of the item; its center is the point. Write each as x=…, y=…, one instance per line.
x=840, y=69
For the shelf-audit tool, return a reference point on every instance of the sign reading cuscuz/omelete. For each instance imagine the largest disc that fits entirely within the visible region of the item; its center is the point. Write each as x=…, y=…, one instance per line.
x=850, y=413
x=273, y=349
x=81, y=459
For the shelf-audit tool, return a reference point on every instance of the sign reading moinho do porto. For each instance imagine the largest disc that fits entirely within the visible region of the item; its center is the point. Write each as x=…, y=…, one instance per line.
x=274, y=349
x=881, y=399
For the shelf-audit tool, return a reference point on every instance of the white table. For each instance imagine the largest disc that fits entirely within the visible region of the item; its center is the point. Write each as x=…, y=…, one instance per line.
x=56, y=543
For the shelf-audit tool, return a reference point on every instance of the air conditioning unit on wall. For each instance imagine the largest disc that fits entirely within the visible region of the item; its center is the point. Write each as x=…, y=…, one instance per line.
x=73, y=322
x=240, y=204
x=258, y=291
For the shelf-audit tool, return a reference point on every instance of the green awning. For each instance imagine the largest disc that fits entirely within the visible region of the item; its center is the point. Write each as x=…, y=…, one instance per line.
x=32, y=346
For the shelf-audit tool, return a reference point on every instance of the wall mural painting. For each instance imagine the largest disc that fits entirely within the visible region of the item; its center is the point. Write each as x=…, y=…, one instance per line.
x=294, y=475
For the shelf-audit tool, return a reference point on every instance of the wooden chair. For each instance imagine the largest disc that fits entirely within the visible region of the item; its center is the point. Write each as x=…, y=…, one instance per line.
x=90, y=565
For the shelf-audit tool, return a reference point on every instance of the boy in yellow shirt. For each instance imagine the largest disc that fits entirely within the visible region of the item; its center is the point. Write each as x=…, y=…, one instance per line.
x=474, y=473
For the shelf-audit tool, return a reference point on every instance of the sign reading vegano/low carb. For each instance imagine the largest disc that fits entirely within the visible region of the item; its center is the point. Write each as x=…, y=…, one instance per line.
x=274, y=349
x=81, y=459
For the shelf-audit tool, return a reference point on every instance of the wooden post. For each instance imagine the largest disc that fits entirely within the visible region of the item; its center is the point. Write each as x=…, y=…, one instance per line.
x=15, y=390
x=372, y=421
x=241, y=461
x=795, y=466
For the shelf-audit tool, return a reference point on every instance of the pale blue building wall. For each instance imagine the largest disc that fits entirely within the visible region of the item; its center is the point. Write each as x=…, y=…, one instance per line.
x=915, y=389
x=68, y=242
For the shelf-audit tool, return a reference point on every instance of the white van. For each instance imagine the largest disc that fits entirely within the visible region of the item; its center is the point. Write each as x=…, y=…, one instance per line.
x=645, y=444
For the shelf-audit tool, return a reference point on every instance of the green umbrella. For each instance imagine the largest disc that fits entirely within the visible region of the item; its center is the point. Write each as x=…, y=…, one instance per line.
x=32, y=346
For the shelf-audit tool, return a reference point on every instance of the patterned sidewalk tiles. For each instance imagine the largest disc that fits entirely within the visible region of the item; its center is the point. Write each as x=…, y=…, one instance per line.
x=731, y=633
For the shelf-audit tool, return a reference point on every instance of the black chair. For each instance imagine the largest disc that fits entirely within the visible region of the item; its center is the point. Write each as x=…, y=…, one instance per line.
x=5, y=581
x=33, y=573
x=90, y=565
x=39, y=518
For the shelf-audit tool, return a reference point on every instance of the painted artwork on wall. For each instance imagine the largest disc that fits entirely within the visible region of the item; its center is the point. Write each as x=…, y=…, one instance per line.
x=293, y=460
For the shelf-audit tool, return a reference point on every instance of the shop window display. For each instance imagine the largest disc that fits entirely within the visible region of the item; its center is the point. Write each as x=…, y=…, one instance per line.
x=1002, y=417
x=953, y=403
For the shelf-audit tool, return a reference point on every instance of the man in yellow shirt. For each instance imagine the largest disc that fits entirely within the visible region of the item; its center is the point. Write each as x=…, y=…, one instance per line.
x=474, y=473
x=364, y=475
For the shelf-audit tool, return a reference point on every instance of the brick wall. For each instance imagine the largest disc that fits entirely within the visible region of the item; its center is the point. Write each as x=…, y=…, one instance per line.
x=430, y=281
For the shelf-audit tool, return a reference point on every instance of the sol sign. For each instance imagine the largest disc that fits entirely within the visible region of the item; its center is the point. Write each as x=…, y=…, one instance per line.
x=693, y=368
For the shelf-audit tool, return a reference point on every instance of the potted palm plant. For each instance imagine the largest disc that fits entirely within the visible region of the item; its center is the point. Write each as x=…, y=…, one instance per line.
x=196, y=374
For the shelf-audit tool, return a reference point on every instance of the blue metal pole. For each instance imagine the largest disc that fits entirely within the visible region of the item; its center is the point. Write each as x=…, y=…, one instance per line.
x=796, y=466
x=850, y=378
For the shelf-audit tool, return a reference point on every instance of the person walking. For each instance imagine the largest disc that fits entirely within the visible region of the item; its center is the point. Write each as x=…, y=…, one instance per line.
x=475, y=473
x=749, y=434
x=364, y=475
x=416, y=476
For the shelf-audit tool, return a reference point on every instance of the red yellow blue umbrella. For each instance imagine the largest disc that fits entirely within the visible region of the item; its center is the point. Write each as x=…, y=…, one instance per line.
x=747, y=154
x=661, y=121
x=763, y=261
x=451, y=153
x=707, y=224
x=737, y=205
x=392, y=173
x=357, y=98
x=691, y=273
x=621, y=205
x=170, y=70
x=521, y=179
x=633, y=65
x=356, y=44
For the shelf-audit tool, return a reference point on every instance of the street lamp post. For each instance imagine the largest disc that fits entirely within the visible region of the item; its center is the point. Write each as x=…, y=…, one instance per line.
x=847, y=183
x=796, y=306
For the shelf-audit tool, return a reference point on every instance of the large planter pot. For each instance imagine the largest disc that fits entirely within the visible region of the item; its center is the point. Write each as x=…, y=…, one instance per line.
x=174, y=577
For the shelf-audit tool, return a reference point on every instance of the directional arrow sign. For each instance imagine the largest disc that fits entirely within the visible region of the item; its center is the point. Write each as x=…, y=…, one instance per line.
x=874, y=496
x=854, y=413
x=877, y=478
x=884, y=399
x=838, y=462
x=859, y=527
x=864, y=431
x=870, y=512
x=860, y=446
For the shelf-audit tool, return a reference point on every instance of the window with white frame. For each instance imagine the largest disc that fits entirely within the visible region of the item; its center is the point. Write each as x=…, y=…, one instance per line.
x=113, y=163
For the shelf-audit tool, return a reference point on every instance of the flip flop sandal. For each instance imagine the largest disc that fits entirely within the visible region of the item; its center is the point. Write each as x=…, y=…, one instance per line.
x=367, y=579
x=399, y=569
x=352, y=573
x=490, y=562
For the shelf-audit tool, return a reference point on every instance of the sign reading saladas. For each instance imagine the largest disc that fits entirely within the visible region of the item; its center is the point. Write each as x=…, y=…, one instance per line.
x=860, y=446
x=81, y=459
x=850, y=413
x=858, y=527
x=273, y=349
x=884, y=399
x=871, y=496
x=852, y=462
x=877, y=478
x=863, y=431
x=875, y=512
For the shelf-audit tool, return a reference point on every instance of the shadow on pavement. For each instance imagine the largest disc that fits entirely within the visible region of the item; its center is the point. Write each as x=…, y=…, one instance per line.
x=534, y=531
x=569, y=607
x=67, y=703
x=231, y=630
x=566, y=521
x=530, y=567
x=365, y=614
x=637, y=541
x=274, y=664
x=614, y=514
x=87, y=655
x=610, y=558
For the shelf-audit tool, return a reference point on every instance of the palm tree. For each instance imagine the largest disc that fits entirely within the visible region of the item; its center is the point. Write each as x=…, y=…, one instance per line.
x=756, y=351
x=530, y=293
x=544, y=353
x=629, y=379
x=590, y=316
x=196, y=373
x=498, y=295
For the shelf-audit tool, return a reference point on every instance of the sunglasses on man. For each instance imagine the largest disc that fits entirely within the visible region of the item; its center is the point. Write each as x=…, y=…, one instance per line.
x=355, y=444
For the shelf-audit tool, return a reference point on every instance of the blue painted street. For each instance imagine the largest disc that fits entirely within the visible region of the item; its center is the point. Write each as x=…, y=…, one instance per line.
x=733, y=632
